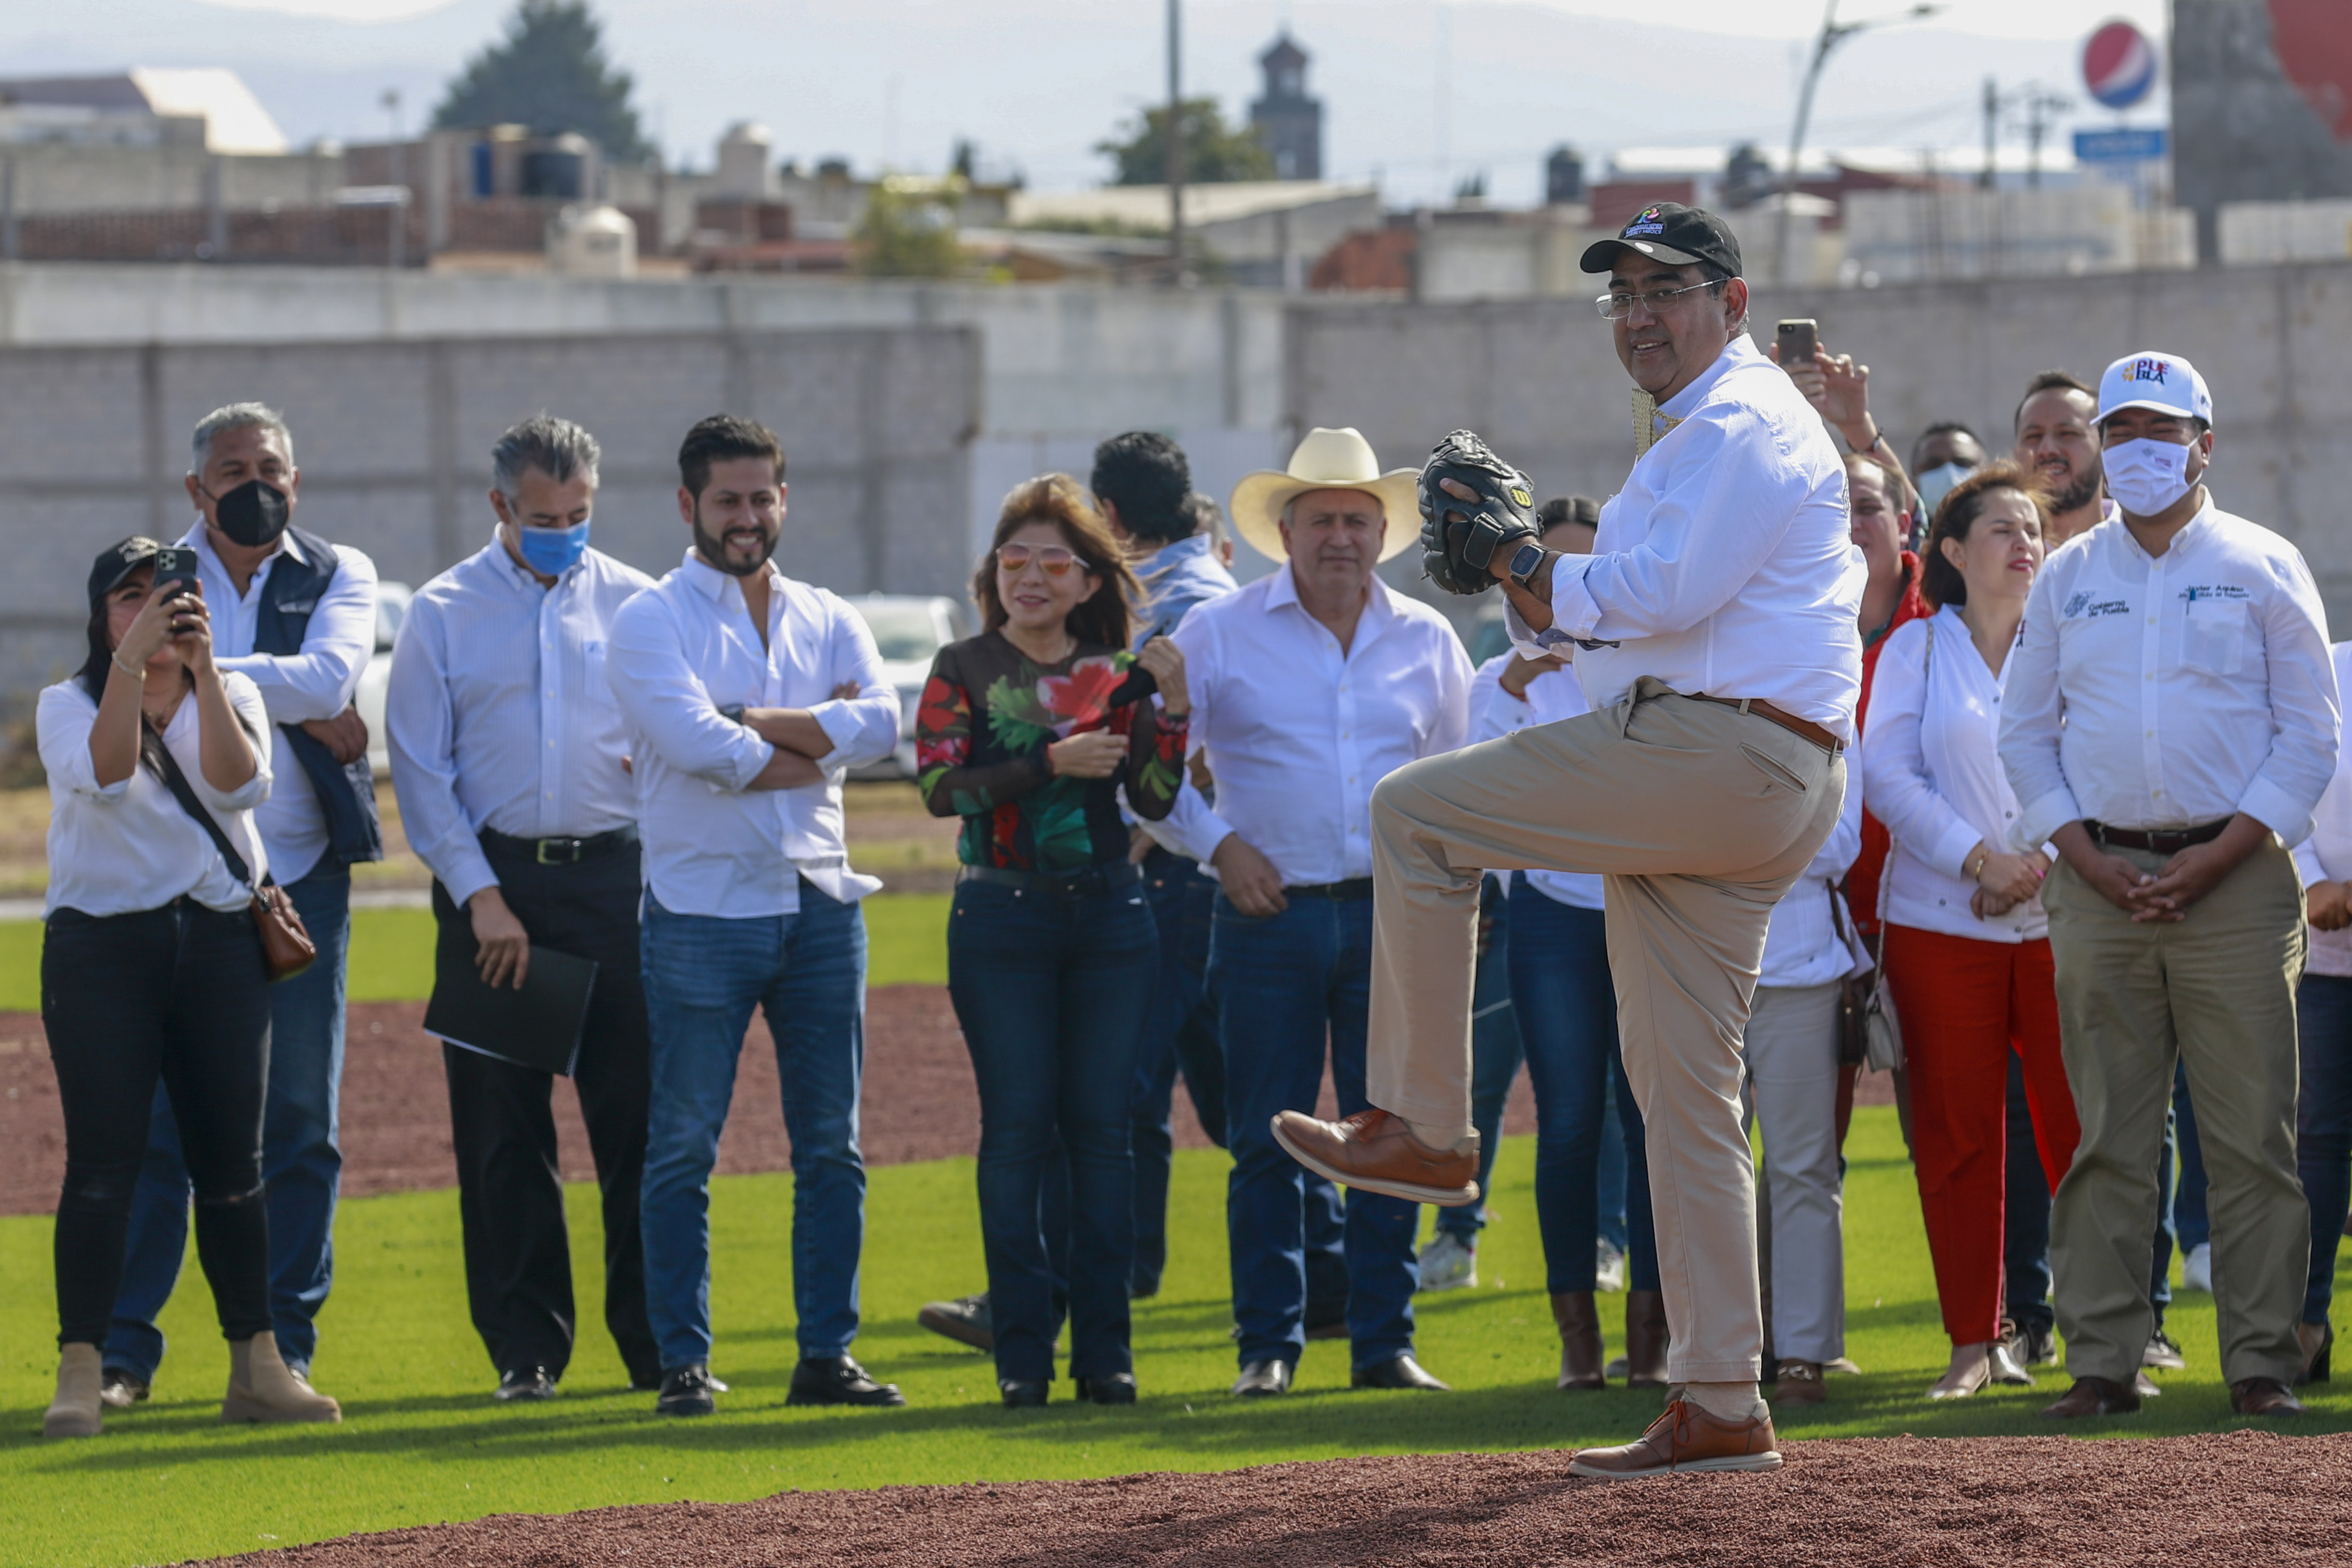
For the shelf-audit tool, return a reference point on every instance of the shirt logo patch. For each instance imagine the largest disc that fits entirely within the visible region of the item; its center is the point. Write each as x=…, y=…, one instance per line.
x=1646, y=221
x=2083, y=608
x=2153, y=370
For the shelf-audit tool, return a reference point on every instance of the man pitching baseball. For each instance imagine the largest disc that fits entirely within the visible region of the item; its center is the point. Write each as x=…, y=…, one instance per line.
x=1713, y=629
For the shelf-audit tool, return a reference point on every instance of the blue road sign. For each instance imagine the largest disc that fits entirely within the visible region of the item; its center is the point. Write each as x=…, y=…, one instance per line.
x=2124, y=146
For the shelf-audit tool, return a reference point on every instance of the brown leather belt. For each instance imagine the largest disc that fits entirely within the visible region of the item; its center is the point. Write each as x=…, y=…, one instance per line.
x=2156, y=841
x=1803, y=729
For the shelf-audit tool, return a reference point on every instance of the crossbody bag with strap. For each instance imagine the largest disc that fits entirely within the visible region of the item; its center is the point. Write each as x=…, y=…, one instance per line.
x=287, y=949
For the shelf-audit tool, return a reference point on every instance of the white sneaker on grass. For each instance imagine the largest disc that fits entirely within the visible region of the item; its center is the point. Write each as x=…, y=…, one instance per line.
x=2197, y=1269
x=1610, y=1270
x=1447, y=1264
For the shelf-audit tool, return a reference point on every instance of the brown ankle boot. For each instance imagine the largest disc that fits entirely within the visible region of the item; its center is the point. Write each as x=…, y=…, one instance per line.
x=1581, y=1355
x=1645, y=1338
x=261, y=1389
x=74, y=1413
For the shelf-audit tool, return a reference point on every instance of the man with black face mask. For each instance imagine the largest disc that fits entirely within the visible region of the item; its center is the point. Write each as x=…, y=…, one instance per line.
x=297, y=614
x=750, y=694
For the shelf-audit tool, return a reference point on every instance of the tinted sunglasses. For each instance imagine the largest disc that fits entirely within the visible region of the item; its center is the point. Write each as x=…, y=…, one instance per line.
x=1052, y=559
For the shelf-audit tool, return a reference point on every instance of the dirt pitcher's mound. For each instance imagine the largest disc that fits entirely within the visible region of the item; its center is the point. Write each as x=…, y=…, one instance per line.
x=2241, y=1497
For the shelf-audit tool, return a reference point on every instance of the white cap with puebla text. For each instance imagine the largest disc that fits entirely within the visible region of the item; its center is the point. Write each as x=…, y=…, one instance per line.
x=2148, y=380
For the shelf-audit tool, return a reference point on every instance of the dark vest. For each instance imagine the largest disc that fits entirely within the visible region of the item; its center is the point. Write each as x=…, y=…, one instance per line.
x=347, y=793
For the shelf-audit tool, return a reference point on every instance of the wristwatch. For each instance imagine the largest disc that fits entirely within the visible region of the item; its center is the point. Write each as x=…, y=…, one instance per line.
x=1527, y=562
x=732, y=712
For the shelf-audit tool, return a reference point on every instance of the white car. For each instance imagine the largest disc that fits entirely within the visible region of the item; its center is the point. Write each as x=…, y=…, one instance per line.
x=908, y=630
x=391, y=604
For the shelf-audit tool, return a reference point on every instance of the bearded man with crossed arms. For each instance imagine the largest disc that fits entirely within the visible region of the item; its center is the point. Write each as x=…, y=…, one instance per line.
x=1713, y=629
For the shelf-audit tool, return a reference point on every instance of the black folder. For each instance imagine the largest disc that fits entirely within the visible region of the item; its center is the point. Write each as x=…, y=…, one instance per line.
x=538, y=1026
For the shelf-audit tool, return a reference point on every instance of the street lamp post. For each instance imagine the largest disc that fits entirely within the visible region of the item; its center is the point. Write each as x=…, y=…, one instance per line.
x=1833, y=32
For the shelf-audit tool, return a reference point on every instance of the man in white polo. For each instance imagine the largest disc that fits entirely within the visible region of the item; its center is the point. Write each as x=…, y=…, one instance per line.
x=2170, y=722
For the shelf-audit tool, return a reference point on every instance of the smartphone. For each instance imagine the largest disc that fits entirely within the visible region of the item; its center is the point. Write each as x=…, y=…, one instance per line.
x=1799, y=339
x=175, y=569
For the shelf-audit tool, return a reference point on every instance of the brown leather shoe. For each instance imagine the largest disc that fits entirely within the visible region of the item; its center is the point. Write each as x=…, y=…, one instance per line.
x=1374, y=1151
x=2095, y=1396
x=1799, y=1382
x=1684, y=1439
x=1646, y=1339
x=2262, y=1397
x=1582, y=1353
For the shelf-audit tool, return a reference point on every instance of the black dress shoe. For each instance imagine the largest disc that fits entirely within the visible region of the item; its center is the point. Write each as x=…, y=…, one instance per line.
x=1022, y=1392
x=1113, y=1388
x=525, y=1383
x=686, y=1390
x=1263, y=1379
x=1403, y=1372
x=837, y=1380
x=965, y=1319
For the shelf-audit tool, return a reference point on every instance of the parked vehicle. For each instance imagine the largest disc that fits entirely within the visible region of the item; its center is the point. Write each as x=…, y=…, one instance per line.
x=391, y=604
x=909, y=630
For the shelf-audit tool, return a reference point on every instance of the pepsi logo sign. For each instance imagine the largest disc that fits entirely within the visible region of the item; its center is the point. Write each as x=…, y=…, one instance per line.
x=2119, y=65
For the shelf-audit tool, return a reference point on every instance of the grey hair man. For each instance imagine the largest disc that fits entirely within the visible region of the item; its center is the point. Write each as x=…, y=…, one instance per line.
x=511, y=757
x=297, y=614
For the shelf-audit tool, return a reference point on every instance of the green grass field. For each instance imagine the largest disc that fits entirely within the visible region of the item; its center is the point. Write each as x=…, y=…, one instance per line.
x=422, y=1441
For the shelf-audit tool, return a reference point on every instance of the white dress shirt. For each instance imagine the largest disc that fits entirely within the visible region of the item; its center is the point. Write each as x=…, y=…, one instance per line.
x=1494, y=713
x=1726, y=565
x=2326, y=855
x=1810, y=941
x=683, y=649
x=2171, y=690
x=130, y=846
x=499, y=715
x=1931, y=770
x=316, y=683
x=1298, y=732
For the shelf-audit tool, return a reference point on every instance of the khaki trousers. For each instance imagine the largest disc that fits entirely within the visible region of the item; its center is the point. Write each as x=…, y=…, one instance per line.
x=1700, y=817
x=2215, y=992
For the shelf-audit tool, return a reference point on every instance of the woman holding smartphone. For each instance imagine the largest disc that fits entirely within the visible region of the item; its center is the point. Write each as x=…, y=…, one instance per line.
x=151, y=967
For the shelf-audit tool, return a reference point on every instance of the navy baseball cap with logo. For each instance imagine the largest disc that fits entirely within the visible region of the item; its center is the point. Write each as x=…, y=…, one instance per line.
x=1672, y=233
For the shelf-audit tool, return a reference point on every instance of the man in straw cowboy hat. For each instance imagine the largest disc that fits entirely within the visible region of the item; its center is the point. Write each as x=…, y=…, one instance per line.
x=1309, y=686
x=1713, y=628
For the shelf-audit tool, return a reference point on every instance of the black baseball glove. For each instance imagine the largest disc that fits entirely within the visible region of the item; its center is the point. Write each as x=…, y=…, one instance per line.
x=1459, y=538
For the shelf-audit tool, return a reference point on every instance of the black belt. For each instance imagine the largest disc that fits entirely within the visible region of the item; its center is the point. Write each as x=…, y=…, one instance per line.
x=1086, y=882
x=560, y=851
x=2156, y=841
x=1353, y=888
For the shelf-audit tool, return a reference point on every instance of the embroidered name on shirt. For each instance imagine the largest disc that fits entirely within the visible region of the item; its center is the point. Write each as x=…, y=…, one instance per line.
x=2215, y=591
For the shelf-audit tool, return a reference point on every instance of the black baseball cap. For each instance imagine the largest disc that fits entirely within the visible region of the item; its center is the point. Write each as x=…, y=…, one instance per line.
x=117, y=562
x=1672, y=233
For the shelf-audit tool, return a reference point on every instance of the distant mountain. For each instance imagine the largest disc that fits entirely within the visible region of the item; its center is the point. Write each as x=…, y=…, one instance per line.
x=1037, y=82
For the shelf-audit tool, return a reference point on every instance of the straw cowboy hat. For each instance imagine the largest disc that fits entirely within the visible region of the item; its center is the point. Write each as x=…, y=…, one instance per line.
x=1326, y=460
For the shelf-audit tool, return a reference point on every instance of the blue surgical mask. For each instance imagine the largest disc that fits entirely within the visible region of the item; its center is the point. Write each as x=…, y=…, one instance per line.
x=552, y=551
x=1939, y=482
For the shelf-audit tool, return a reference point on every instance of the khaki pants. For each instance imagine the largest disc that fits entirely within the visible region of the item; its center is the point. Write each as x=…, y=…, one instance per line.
x=2215, y=992
x=1700, y=817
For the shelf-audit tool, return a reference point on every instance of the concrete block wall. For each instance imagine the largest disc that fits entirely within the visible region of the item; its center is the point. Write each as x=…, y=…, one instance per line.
x=392, y=440
x=1541, y=379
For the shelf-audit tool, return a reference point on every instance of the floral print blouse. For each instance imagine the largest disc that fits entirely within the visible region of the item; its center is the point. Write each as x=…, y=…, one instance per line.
x=987, y=714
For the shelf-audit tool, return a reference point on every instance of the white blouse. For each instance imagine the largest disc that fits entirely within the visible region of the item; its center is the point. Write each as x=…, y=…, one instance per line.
x=129, y=846
x=1494, y=712
x=1931, y=771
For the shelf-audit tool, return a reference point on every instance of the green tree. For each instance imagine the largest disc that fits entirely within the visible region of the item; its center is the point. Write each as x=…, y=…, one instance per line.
x=908, y=230
x=552, y=75
x=1214, y=151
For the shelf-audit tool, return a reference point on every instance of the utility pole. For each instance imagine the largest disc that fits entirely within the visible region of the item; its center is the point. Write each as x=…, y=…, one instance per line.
x=2041, y=106
x=1992, y=102
x=1833, y=32
x=397, y=156
x=1173, y=141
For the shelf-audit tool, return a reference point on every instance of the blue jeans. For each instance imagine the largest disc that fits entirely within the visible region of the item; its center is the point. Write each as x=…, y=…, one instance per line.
x=1178, y=1033
x=2189, y=1215
x=703, y=976
x=1494, y=1057
x=302, y=1161
x=1566, y=1007
x=2324, y=1126
x=2025, y=1217
x=1284, y=984
x=1052, y=990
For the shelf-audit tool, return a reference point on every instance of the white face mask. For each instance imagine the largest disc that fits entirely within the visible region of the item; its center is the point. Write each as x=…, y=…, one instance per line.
x=1938, y=482
x=2146, y=477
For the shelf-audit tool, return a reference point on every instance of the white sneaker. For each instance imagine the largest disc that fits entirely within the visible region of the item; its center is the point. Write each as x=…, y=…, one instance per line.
x=2197, y=1269
x=1609, y=1273
x=1447, y=1265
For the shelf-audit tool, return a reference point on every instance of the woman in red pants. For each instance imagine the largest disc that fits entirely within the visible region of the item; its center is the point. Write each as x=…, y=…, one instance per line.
x=1966, y=951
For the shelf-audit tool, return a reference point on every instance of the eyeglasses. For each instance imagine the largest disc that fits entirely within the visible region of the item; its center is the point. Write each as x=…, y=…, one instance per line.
x=1052, y=559
x=1616, y=307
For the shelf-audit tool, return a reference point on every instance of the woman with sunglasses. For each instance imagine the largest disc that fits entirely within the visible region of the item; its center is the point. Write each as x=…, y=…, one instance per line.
x=150, y=967
x=1030, y=732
